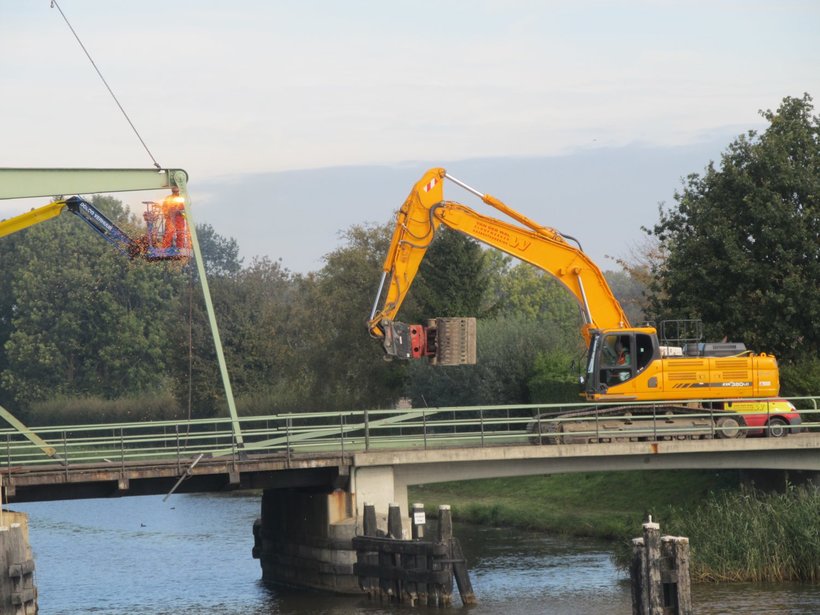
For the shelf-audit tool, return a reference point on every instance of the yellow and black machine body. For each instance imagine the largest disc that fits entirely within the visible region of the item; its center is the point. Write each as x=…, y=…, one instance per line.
x=624, y=363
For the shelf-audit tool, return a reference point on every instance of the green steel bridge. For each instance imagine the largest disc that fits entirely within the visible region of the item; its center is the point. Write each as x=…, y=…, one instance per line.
x=321, y=449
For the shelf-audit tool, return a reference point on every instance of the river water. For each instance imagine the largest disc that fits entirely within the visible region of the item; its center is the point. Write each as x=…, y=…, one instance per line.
x=191, y=555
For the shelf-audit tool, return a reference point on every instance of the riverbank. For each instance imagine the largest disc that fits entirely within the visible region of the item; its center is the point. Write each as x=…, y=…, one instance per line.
x=598, y=505
x=736, y=534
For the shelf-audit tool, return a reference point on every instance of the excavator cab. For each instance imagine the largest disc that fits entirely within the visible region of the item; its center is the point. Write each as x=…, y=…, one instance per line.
x=616, y=356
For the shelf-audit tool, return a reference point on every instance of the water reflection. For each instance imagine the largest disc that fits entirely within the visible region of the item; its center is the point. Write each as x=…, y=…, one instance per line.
x=760, y=599
x=192, y=555
x=526, y=572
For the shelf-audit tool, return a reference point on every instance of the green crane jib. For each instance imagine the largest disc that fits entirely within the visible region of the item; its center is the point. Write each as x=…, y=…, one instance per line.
x=18, y=183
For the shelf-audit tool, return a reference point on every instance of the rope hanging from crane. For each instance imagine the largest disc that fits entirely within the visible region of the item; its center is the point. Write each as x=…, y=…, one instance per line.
x=110, y=91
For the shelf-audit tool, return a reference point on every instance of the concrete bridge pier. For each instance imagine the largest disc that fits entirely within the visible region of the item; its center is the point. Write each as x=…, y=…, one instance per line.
x=304, y=537
x=377, y=485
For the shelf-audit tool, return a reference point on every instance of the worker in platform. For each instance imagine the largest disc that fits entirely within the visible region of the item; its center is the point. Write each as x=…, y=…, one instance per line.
x=173, y=213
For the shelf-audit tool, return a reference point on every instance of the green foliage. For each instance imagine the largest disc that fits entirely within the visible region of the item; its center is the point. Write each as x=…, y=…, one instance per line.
x=82, y=410
x=291, y=342
x=79, y=318
x=554, y=378
x=519, y=289
x=451, y=280
x=348, y=366
x=507, y=350
x=801, y=378
x=742, y=244
x=220, y=254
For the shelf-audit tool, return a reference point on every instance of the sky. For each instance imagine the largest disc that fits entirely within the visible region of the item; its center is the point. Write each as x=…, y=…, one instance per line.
x=252, y=93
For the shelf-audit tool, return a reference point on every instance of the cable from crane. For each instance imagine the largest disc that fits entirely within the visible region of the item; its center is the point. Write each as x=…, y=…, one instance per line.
x=110, y=91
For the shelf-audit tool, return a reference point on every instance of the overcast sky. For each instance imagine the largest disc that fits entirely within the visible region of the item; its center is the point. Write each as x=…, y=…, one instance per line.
x=226, y=88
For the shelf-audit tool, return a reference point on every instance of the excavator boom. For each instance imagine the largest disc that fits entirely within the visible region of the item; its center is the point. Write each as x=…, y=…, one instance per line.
x=425, y=210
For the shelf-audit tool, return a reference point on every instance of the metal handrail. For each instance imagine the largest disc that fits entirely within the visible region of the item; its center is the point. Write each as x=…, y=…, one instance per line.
x=338, y=432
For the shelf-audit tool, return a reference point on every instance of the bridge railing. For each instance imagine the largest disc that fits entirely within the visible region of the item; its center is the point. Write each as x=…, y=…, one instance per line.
x=333, y=433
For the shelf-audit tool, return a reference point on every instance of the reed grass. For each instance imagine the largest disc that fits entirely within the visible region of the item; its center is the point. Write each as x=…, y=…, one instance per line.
x=749, y=535
x=94, y=410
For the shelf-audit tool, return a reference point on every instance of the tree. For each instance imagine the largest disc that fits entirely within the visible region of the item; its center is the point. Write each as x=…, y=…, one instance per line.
x=192, y=357
x=742, y=243
x=220, y=254
x=639, y=269
x=451, y=280
x=518, y=289
x=630, y=294
x=80, y=318
x=507, y=349
x=531, y=316
x=348, y=365
x=555, y=378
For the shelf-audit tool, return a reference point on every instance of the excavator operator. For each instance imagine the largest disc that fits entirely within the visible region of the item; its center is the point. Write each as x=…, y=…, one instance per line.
x=173, y=211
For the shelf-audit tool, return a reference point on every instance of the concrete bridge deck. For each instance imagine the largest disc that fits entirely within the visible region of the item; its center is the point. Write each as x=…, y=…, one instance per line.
x=408, y=466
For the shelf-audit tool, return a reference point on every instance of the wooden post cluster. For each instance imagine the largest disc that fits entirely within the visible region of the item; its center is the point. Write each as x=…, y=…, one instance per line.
x=18, y=594
x=660, y=573
x=417, y=572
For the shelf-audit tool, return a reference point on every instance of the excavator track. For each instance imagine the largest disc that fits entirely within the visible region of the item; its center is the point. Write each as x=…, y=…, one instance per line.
x=634, y=424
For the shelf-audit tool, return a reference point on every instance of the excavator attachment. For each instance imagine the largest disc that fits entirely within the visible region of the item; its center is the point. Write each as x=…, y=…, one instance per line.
x=455, y=341
x=444, y=341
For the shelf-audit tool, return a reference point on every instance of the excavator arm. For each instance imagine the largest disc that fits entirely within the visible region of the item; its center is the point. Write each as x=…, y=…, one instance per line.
x=425, y=210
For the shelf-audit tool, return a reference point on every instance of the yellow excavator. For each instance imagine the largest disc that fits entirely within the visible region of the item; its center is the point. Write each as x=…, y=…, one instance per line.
x=624, y=363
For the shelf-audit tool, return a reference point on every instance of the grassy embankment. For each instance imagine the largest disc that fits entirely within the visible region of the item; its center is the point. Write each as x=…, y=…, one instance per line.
x=734, y=534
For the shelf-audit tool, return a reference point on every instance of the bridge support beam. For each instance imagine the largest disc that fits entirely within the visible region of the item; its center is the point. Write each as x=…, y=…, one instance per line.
x=304, y=537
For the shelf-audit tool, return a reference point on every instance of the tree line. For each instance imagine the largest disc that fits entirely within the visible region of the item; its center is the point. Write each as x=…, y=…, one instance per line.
x=85, y=330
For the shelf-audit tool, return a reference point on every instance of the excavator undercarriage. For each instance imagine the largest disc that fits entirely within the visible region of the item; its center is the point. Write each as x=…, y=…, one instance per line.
x=635, y=424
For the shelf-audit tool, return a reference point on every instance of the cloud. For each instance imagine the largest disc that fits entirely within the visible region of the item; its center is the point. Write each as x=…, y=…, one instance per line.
x=266, y=86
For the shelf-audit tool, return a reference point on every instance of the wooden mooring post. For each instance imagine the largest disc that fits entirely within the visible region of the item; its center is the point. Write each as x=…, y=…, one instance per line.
x=417, y=572
x=660, y=573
